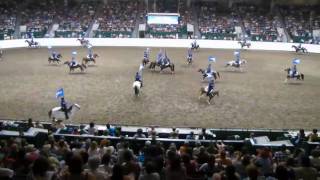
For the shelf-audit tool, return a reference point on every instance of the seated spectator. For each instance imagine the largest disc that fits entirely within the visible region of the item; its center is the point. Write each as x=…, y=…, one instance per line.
x=110, y=131
x=230, y=173
x=209, y=168
x=174, y=170
x=92, y=130
x=75, y=170
x=282, y=155
x=129, y=165
x=30, y=123
x=149, y=172
x=306, y=171
x=139, y=134
x=93, y=163
x=313, y=137
x=191, y=135
x=152, y=133
x=174, y=134
x=106, y=165
x=191, y=167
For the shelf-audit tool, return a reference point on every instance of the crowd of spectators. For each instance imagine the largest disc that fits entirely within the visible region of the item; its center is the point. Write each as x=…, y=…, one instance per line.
x=297, y=22
x=99, y=159
x=8, y=11
x=37, y=17
x=75, y=17
x=118, y=18
x=215, y=23
x=259, y=23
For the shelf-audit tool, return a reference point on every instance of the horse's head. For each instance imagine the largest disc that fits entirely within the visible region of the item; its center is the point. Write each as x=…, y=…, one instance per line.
x=287, y=70
x=59, y=56
x=67, y=62
x=95, y=55
x=77, y=106
x=200, y=70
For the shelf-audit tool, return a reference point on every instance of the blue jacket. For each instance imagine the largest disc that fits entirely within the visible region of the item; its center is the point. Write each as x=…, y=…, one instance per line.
x=210, y=87
x=209, y=69
x=63, y=104
x=138, y=77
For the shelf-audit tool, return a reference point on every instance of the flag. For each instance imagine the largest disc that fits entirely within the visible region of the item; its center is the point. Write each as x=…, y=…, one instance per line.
x=59, y=93
x=296, y=61
x=211, y=59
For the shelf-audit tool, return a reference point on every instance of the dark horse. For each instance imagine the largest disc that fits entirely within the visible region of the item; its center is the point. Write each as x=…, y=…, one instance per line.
x=145, y=61
x=204, y=74
x=300, y=49
x=57, y=59
x=210, y=96
x=86, y=60
x=244, y=44
x=33, y=44
x=84, y=42
x=72, y=68
x=298, y=76
x=154, y=64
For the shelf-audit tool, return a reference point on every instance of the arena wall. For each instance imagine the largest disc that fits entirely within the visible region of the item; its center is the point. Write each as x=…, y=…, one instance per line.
x=178, y=43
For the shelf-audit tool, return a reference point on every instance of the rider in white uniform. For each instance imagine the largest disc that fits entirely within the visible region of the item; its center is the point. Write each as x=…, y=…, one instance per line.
x=90, y=52
x=237, y=58
x=73, y=59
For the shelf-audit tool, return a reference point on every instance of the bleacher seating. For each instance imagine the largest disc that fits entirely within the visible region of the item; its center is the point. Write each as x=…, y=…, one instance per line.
x=140, y=146
x=118, y=19
x=8, y=17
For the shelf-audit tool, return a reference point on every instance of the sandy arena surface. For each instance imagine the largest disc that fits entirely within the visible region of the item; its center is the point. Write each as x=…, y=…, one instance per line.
x=255, y=98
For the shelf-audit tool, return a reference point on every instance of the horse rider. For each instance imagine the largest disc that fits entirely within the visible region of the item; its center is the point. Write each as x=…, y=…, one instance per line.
x=159, y=57
x=73, y=62
x=190, y=53
x=146, y=54
x=63, y=105
x=194, y=44
x=237, y=58
x=209, y=69
x=138, y=78
x=294, y=70
x=53, y=53
x=211, y=86
x=90, y=52
x=165, y=60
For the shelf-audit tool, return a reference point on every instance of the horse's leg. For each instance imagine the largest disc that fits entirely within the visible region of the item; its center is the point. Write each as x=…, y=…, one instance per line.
x=218, y=74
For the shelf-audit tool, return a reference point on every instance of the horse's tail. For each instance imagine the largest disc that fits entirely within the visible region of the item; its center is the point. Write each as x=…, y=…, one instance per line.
x=217, y=92
x=136, y=90
x=50, y=114
x=218, y=74
x=172, y=67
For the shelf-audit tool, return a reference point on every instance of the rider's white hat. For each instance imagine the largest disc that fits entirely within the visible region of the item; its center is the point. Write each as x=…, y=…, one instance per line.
x=74, y=53
x=89, y=46
x=49, y=47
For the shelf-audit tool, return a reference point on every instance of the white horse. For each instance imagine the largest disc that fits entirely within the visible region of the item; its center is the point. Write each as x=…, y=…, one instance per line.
x=235, y=65
x=136, y=87
x=57, y=114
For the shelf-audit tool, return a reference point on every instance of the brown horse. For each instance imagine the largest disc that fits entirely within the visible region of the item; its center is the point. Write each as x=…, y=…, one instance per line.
x=86, y=60
x=154, y=64
x=215, y=74
x=72, y=68
x=210, y=96
x=298, y=76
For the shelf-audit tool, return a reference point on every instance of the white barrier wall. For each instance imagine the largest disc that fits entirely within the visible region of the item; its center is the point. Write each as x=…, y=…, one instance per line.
x=180, y=43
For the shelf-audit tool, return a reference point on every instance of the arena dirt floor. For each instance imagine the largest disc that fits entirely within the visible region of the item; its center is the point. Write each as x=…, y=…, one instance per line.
x=255, y=98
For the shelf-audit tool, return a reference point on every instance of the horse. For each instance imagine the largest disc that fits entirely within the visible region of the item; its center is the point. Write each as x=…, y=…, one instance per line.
x=136, y=87
x=189, y=60
x=56, y=113
x=244, y=44
x=84, y=42
x=194, y=47
x=297, y=76
x=300, y=49
x=33, y=44
x=203, y=91
x=57, y=59
x=162, y=66
x=72, y=68
x=214, y=74
x=86, y=60
x=145, y=61
x=235, y=65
